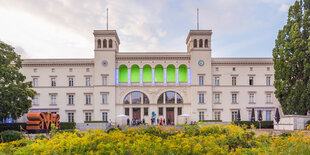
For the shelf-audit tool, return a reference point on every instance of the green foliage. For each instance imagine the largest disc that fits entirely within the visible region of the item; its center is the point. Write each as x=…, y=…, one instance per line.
x=285, y=134
x=291, y=57
x=66, y=130
x=8, y=136
x=113, y=129
x=67, y=125
x=15, y=94
x=40, y=136
x=53, y=130
x=210, y=121
x=264, y=125
x=12, y=126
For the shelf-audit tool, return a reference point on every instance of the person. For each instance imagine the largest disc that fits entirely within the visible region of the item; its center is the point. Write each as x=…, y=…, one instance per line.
x=164, y=121
x=133, y=122
x=136, y=122
x=143, y=121
x=128, y=121
x=161, y=121
x=168, y=122
x=110, y=123
x=157, y=120
x=152, y=121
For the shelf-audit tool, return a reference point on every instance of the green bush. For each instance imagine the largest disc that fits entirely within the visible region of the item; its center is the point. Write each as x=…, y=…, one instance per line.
x=210, y=121
x=285, y=134
x=95, y=121
x=264, y=125
x=10, y=135
x=12, y=126
x=67, y=125
x=66, y=130
x=41, y=136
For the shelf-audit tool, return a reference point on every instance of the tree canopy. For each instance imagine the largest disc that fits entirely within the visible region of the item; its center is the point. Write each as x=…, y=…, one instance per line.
x=15, y=94
x=291, y=57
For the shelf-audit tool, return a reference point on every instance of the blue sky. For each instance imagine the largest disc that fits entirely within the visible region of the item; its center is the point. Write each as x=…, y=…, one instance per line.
x=63, y=28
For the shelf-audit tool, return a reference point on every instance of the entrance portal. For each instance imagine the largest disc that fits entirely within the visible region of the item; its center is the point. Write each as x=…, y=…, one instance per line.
x=136, y=113
x=170, y=116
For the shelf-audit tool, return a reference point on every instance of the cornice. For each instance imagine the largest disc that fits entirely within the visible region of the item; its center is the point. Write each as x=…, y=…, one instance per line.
x=153, y=56
x=198, y=32
x=57, y=62
x=216, y=61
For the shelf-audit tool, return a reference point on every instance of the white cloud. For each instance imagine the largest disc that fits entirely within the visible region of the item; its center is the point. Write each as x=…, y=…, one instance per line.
x=283, y=8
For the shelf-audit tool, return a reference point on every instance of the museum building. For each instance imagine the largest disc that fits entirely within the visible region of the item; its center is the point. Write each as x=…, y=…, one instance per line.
x=138, y=84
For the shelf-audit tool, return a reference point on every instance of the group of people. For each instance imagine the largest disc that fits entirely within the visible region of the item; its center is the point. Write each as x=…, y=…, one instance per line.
x=161, y=121
x=135, y=122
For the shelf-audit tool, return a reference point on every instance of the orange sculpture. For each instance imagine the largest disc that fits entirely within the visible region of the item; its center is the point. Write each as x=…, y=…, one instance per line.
x=41, y=120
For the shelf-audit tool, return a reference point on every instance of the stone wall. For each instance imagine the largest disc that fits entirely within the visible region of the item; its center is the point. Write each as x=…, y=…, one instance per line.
x=292, y=122
x=85, y=126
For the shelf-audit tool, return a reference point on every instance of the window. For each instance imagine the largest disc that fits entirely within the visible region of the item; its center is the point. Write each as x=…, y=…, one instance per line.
x=35, y=70
x=217, y=115
x=88, y=99
x=216, y=69
x=200, y=43
x=70, y=117
x=160, y=111
x=136, y=97
x=104, y=80
x=98, y=43
x=146, y=111
x=201, y=116
x=104, y=43
x=71, y=99
x=179, y=110
x=170, y=97
x=249, y=114
x=234, y=68
x=217, y=81
x=105, y=116
x=104, y=98
x=88, y=116
x=206, y=43
x=87, y=81
x=53, y=70
x=87, y=69
x=110, y=43
x=268, y=97
x=53, y=82
x=268, y=115
x=234, y=81
x=127, y=111
x=201, y=98
x=53, y=99
x=195, y=43
x=201, y=82
x=251, y=97
x=251, y=80
x=35, y=100
x=217, y=98
x=35, y=82
x=234, y=98
x=70, y=69
x=251, y=68
x=268, y=81
x=234, y=115
x=71, y=82
x=268, y=68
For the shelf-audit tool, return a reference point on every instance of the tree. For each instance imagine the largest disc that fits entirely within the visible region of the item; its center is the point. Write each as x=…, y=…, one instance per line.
x=15, y=94
x=291, y=57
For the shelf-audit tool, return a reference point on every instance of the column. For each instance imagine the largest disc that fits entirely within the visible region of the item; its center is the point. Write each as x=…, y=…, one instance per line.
x=129, y=76
x=177, y=75
x=153, y=76
x=165, y=75
x=189, y=76
x=116, y=76
x=141, y=76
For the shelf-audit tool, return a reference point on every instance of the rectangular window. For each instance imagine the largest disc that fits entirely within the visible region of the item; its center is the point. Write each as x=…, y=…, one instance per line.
x=127, y=111
x=251, y=97
x=234, y=115
x=201, y=116
x=88, y=116
x=105, y=116
x=201, y=81
x=35, y=70
x=146, y=111
x=70, y=117
x=87, y=69
x=70, y=69
x=216, y=69
x=104, y=98
x=53, y=99
x=87, y=81
x=268, y=81
x=217, y=81
x=53, y=82
x=160, y=111
x=249, y=114
x=234, y=81
x=88, y=99
x=35, y=82
x=217, y=115
x=71, y=99
x=53, y=70
x=268, y=68
x=201, y=98
x=35, y=100
x=268, y=97
x=70, y=82
x=268, y=115
x=104, y=80
x=251, y=80
x=179, y=110
x=251, y=68
x=217, y=98
x=234, y=98
x=234, y=68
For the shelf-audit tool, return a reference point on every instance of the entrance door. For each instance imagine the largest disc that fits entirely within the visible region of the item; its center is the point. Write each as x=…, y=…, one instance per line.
x=136, y=113
x=170, y=116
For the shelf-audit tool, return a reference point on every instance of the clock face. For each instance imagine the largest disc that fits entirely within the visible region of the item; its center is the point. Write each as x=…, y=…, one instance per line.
x=201, y=62
x=104, y=63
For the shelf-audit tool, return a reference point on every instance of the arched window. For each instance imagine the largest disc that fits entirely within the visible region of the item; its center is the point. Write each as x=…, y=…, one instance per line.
x=200, y=43
x=206, y=43
x=170, y=97
x=171, y=73
x=98, y=43
x=136, y=97
x=135, y=73
x=147, y=73
x=110, y=43
x=104, y=43
x=183, y=73
x=195, y=43
x=159, y=73
x=123, y=73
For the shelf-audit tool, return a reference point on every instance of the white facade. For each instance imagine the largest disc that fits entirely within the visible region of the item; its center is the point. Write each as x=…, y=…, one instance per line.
x=206, y=88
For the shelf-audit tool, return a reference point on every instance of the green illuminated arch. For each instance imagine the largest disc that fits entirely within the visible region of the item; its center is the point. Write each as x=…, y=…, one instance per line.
x=135, y=73
x=147, y=73
x=159, y=73
x=183, y=73
x=123, y=73
x=171, y=73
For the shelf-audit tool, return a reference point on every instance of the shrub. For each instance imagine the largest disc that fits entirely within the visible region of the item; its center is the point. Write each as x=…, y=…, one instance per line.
x=40, y=136
x=285, y=134
x=66, y=130
x=67, y=125
x=12, y=126
x=264, y=125
x=9, y=135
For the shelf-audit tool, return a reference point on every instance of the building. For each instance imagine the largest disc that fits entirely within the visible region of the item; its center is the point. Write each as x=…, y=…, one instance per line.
x=139, y=83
